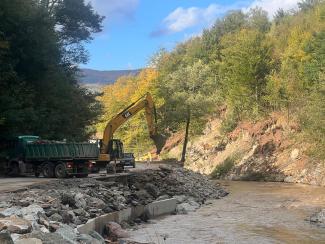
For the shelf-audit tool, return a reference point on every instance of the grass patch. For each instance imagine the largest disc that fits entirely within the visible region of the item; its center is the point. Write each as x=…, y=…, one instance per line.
x=224, y=168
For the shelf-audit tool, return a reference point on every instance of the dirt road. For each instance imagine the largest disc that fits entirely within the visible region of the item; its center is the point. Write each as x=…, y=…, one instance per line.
x=13, y=184
x=253, y=212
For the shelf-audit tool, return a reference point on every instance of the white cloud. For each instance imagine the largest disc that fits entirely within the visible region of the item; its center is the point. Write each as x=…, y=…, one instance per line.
x=115, y=8
x=184, y=18
x=271, y=6
x=181, y=19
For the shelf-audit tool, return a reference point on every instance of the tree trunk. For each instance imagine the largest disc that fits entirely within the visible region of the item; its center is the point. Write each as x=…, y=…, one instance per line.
x=188, y=119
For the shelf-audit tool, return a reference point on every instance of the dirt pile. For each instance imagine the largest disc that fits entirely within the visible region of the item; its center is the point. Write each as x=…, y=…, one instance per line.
x=60, y=206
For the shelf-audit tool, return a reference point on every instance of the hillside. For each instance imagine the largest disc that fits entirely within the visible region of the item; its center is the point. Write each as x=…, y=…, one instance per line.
x=91, y=76
x=267, y=150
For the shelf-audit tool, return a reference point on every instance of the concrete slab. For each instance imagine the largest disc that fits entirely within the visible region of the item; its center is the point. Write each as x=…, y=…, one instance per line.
x=155, y=209
x=162, y=207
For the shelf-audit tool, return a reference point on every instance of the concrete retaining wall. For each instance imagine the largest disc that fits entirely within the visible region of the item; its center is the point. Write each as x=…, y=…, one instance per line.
x=155, y=209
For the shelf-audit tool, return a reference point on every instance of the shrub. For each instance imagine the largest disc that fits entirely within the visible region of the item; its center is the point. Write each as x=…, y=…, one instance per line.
x=228, y=124
x=224, y=168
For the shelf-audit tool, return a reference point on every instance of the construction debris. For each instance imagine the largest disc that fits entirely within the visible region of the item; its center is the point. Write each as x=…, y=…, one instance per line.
x=53, y=210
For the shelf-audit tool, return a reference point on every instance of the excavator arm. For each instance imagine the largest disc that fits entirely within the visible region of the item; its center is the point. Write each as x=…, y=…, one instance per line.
x=144, y=102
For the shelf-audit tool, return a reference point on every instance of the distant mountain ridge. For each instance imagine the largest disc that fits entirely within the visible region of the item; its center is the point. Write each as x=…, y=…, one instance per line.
x=91, y=76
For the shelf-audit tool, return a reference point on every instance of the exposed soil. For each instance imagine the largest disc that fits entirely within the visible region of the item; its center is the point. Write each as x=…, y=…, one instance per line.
x=268, y=150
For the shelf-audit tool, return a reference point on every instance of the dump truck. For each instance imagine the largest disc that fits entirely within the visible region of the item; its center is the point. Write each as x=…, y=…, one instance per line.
x=31, y=155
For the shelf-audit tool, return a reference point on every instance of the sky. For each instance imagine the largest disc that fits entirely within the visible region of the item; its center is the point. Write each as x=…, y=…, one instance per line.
x=133, y=30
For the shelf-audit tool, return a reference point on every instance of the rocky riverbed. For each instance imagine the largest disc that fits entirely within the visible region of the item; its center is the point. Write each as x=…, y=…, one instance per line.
x=50, y=212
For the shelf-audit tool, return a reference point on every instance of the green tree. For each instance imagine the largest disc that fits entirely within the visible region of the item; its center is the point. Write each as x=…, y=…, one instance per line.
x=312, y=115
x=211, y=48
x=39, y=93
x=75, y=22
x=258, y=20
x=245, y=65
x=306, y=5
x=188, y=96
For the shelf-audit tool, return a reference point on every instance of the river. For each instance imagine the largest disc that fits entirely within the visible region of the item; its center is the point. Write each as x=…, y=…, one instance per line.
x=253, y=212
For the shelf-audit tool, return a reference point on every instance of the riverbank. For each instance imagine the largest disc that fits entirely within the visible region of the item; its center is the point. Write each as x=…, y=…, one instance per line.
x=253, y=212
x=270, y=149
x=53, y=209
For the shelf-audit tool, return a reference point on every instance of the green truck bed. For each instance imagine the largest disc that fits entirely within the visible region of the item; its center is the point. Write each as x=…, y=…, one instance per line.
x=64, y=151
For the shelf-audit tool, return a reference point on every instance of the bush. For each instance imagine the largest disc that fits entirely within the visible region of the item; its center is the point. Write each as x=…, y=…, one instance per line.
x=228, y=124
x=223, y=169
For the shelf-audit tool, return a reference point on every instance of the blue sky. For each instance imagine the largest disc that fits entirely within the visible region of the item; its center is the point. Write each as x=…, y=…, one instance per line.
x=135, y=29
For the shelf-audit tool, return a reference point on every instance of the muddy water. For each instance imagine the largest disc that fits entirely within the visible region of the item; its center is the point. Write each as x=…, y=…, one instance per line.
x=252, y=213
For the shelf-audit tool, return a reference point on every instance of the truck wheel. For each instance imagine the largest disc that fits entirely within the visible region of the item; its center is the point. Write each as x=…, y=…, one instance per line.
x=14, y=169
x=60, y=171
x=48, y=171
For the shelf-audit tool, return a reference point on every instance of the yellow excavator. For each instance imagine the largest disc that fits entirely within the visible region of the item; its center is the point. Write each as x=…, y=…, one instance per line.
x=111, y=150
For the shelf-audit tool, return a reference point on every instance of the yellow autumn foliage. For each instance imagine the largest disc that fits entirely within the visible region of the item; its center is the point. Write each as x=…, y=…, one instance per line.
x=127, y=89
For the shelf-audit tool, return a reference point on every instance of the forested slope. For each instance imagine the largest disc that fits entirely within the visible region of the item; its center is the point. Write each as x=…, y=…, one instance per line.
x=244, y=68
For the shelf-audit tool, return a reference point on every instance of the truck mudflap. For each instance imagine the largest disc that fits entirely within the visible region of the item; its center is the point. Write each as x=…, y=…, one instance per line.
x=78, y=169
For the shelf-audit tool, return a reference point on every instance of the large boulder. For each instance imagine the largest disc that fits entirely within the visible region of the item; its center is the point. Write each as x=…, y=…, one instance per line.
x=152, y=189
x=67, y=233
x=56, y=217
x=186, y=207
x=10, y=211
x=115, y=231
x=15, y=225
x=97, y=203
x=80, y=201
x=31, y=212
x=68, y=198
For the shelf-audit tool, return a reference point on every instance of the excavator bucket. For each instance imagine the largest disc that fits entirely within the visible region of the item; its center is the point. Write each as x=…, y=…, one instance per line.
x=159, y=141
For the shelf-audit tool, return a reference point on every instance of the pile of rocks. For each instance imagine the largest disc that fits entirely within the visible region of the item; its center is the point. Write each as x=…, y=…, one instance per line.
x=58, y=207
x=189, y=188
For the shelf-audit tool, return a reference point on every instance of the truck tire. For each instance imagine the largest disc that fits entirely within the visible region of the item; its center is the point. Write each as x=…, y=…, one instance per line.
x=48, y=170
x=60, y=171
x=14, y=169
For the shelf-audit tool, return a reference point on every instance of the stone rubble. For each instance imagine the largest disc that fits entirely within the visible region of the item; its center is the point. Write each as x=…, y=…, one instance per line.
x=15, y=225
x=53, y=210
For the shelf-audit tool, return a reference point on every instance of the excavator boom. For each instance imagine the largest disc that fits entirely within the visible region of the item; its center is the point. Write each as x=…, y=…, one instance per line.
x=145, y=102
